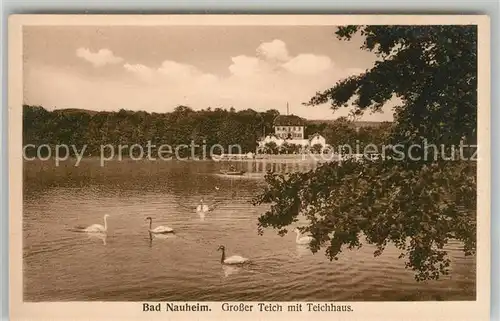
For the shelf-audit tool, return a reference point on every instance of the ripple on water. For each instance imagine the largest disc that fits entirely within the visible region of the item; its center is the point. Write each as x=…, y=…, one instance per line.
x=129, y=265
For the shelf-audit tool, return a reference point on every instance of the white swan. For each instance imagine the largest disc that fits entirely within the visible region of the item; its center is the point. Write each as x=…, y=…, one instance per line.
x=95, y=228
x=201, y=207
x=158, y=229
x=204, y=208
x=302, y=240
x=235, y=259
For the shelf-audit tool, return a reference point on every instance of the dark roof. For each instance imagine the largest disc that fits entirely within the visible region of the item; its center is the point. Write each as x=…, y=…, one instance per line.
x=289, y=120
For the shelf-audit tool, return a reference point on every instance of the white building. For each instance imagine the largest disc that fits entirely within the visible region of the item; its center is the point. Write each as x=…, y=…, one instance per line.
x=289, y=127
x=317, y=139
x=290, y=130
x=271, y=139
x=300, y=142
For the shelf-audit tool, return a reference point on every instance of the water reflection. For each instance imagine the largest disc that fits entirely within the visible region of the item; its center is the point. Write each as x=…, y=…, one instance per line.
x=156, y=236
x=97, y=236
x=302, y=250
x=59, y=266
x=230, y=270
x=163, y=236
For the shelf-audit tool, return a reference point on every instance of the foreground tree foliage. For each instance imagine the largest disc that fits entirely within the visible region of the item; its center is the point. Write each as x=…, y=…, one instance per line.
x=417, y=205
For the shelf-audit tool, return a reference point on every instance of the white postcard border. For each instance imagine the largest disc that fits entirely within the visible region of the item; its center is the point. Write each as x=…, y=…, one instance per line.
x=463, y=310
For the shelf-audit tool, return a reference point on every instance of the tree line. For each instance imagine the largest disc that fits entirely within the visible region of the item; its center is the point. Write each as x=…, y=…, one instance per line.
x=182, y=126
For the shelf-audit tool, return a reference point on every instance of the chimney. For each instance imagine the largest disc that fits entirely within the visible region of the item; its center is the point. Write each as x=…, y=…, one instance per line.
x=287, y=109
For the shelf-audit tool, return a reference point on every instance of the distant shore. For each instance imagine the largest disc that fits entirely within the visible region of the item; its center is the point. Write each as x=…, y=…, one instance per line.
x=282, y=158
x=259, y=158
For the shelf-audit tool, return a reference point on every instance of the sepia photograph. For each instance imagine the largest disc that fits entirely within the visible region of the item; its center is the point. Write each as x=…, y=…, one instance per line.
x=327, y=163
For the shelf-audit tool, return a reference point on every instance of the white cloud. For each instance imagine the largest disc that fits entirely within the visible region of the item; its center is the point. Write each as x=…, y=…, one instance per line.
x=244, y=66
x=171, y=73
x=99, y=58
x=273, y=58
x=275, y=50
x=175, y=70
x=267, y=80
x=306, y=64
x=141, y=71
x=207, y=79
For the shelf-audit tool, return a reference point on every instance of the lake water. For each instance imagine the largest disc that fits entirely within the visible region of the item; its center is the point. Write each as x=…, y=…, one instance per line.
x=60, y=265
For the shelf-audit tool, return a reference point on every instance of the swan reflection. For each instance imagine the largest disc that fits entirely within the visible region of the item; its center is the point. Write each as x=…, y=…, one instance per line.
x=229, y=270
x=160, y=237
x=98, y=236
x=163, y=236
x=303, y=250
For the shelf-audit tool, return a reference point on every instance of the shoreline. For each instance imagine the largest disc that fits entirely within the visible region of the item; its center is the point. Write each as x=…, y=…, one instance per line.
x=307, y=158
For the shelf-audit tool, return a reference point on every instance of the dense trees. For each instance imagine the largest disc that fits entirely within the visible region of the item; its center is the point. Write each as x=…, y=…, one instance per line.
x=183, y=125
x=418, y=205
x=180, y=127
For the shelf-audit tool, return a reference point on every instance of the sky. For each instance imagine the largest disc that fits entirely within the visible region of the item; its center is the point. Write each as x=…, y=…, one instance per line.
x=156, y=68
